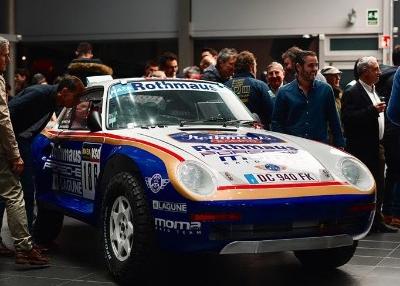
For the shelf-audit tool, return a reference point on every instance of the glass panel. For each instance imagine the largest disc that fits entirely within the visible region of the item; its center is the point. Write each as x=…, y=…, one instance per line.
x=129, y=109
x=79, y=118
x=349, y=44
x=65, y=120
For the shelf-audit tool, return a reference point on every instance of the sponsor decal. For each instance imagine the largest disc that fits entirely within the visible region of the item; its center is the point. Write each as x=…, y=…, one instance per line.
x=178, y=227
x=169, y=206
x=325, y=175
x=225, y=138
x=251, y=178
x=90, y=168
x=121, y=89
x=232, y=178
x=280, y=177
x=241, y=154
x=66, y=171
x=75, y=171
x=271, y=167
x=156, y=183
x=66, y=155
x=228, y=176
x=228, y=149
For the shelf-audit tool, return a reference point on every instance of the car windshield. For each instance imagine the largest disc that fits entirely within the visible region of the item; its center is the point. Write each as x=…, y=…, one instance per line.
x=160, y=103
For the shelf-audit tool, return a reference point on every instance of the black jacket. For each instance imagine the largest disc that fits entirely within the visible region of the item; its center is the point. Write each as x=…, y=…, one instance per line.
x=360, y=124
x=212, y=74
x=32, y=108
x=82, y=68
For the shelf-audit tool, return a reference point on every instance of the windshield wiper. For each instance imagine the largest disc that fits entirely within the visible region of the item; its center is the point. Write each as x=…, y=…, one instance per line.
x=240, y=122
x=211, y=119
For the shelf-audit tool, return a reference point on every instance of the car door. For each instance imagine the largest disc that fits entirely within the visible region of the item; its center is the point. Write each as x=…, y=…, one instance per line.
x=76, y=156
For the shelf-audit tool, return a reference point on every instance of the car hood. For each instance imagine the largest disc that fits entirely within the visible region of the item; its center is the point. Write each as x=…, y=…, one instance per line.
x=242, y=155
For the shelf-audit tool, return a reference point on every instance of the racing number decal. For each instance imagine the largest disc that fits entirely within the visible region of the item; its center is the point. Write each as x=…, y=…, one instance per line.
x=90, y=168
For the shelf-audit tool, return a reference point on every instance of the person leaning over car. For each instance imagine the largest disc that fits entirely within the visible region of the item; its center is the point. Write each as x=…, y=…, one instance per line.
x=11, y=166
x=40, y=102
x=306, y=106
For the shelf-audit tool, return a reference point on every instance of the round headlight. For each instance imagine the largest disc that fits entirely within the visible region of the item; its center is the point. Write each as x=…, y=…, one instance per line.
x=351, y=171
x=356, y=173
x=196, y=178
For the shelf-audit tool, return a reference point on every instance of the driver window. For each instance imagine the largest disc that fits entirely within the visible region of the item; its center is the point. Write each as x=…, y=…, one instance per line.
x=79, y=116
x=76, y=118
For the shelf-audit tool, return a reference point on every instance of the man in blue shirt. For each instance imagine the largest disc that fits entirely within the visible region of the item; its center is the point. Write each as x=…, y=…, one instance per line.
x=305, y=107
x=252, y=92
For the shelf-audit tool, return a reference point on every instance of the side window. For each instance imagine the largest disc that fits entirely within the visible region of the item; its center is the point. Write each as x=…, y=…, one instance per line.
x=76, y=118
x=79, y=116
x=65, y=118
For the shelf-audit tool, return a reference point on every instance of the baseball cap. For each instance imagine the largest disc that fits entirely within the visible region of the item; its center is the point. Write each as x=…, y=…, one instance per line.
x=330, y=70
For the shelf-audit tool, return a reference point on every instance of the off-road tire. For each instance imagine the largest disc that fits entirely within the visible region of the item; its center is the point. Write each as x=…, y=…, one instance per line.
x=125, y=189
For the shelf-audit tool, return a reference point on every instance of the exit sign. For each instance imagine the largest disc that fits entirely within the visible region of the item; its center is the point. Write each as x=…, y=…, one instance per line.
x=372, y=17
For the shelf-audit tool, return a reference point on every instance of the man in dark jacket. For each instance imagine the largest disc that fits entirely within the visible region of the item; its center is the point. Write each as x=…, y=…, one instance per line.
x=30, y=112
x=252, y=92
x=363, y=124
x=85, y=65
x=224, y=68
x=391, y=141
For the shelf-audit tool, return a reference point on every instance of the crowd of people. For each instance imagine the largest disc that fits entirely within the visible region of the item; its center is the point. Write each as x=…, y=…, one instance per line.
x=298, y=98
x=295, y=97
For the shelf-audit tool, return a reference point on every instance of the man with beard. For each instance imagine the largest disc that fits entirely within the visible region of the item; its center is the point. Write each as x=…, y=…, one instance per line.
x=306, y=107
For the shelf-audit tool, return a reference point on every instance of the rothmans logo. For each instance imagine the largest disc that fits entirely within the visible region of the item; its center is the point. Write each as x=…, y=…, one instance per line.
x=156, y=183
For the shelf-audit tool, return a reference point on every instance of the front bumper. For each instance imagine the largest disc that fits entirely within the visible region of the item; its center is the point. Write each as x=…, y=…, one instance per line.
x=292, y=244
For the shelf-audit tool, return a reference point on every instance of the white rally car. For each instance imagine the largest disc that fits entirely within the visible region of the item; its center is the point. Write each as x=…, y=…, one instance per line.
x=182, y=166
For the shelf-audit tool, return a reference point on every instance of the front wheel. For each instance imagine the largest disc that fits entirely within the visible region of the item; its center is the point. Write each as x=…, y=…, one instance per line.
x=127, y=228
x=326, y=258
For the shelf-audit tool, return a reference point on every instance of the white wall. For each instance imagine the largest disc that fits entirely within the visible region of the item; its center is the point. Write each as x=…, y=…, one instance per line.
x=52, y=20
x=213, y=18
x=152, y=19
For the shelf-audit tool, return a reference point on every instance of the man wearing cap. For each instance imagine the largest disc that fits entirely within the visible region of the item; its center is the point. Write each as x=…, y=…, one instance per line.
x=333, y=75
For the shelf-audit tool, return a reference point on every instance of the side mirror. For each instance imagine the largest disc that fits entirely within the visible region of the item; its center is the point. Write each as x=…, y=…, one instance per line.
x=94, y=121
x=256, y=117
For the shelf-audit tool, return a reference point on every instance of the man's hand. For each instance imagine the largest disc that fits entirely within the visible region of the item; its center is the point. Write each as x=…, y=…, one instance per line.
x=17, y=166
x=380, y=107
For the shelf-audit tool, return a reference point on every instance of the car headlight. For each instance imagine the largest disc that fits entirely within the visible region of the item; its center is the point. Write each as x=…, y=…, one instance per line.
x=356, y=173
x=196, y=178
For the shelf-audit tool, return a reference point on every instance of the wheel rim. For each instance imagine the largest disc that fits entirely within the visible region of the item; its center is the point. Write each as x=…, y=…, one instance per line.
x=121, y=228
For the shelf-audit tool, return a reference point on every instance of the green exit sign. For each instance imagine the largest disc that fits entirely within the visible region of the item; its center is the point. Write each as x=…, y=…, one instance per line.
x=372, y=17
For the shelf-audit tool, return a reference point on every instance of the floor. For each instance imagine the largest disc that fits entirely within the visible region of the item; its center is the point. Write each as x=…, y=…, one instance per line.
x=77, y=261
